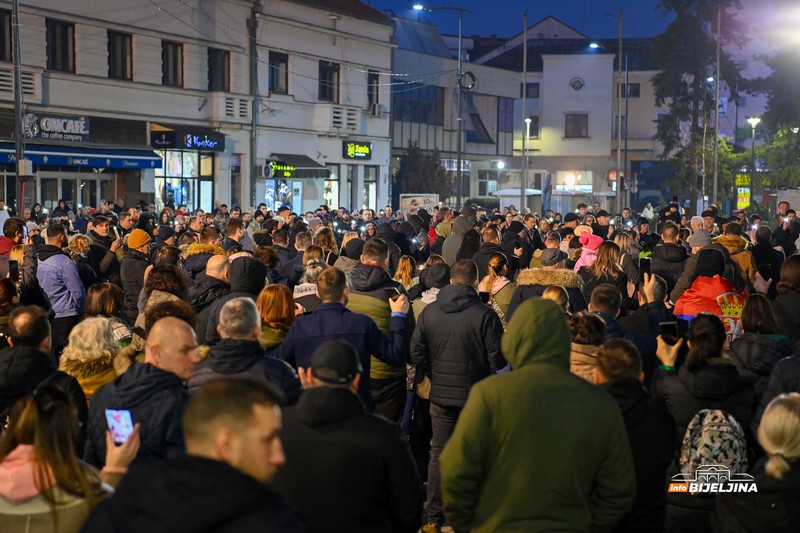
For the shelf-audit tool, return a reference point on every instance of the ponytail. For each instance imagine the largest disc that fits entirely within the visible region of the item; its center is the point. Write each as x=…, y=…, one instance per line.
x=777, y=466
x=497, y=262
x=707, y=334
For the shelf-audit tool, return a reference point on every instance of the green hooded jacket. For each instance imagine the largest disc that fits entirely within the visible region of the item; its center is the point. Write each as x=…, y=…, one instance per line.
x=537, y=449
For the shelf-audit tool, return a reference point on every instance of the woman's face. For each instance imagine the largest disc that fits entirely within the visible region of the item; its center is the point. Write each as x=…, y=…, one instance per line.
x=164, y=218
x=544, y=226
x=371, y=230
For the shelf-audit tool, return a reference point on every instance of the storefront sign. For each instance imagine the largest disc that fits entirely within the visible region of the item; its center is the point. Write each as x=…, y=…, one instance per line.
x=187, y=140
x=355, y=150
x=276, y=169
x=163, y=139
x=204, y=142
x=56, y=127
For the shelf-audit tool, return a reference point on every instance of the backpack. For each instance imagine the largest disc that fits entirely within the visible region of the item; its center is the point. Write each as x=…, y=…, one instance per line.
x=713, y=437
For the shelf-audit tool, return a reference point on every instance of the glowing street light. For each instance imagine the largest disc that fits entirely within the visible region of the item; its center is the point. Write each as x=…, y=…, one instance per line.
x=753, y=121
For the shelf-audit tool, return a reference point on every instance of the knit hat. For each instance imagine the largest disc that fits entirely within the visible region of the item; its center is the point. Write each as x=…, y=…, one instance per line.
x=590, y=241
x=700, y=238
x=353, y=248
x=569, y=217
x=552, y=257
x=313, y=222
x=710, y=262
x=138, y=238
x=516, y=226
x=435, y=276
x=335, y=362
x=165, y=232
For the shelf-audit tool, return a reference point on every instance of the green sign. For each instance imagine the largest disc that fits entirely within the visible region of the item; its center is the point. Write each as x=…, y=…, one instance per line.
x=354, y=150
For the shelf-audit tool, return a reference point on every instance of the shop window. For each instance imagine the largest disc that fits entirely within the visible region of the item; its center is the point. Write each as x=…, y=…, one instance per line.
x=574, y=181
x=329, y=82
x=219, y=70
x=60, y=46
x=372, y=87
x=5, y=36
x=120, y=55
x=534, y=127
x=171, y=64
x=206, y=165
x=278, y=73
x=331, y=193
x=576, y=125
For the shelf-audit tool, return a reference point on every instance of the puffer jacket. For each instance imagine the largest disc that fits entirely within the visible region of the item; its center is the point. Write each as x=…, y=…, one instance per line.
x=668, y=261
x=755, y=356
x=583, y=360
x=60, y=280
x=245, y=359
x=457, y=342
x=197, y=256
x=736, y=247
x=785, y=377
x=207, y=291
x=248, y=276
x=156, y=399
x=533, y=282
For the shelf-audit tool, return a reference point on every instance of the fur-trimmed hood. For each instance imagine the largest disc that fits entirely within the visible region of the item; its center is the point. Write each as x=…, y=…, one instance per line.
x=733, y=243
x=562, y=277
x=201, y=248
x=82, y=369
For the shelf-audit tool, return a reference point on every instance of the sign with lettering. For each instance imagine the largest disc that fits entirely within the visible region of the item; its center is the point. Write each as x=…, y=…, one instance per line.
x=55, y=127
x=356, y=150
x=187, y=140
x=276, y=169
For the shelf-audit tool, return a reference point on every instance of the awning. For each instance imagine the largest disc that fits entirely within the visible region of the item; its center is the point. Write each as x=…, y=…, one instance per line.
x=81, y=156
x=300, y=166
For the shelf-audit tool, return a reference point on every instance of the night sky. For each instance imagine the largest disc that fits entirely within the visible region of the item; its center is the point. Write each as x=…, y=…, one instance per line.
x=505, y=17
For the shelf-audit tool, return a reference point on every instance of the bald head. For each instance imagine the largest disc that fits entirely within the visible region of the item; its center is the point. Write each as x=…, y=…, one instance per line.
x=171, y=346
x=218, y=267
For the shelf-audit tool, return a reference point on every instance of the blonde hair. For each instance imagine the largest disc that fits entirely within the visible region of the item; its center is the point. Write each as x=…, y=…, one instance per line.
x=779, y=434
x=497, y=262
x=558, y=294
x=606, y=262
x=92, y=339
x=348, y=236
x=79, y=244
x=623, y=240
x=17, y=254
x=406, y=269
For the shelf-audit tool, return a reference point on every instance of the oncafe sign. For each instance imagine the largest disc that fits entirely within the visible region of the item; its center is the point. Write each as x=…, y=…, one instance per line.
x=56, y=127
x=355, y=150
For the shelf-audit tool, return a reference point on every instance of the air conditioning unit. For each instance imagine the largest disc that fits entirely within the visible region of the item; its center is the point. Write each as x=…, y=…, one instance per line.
x=377, y=110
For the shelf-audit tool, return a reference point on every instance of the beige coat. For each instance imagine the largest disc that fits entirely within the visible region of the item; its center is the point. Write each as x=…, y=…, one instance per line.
x=583, y=360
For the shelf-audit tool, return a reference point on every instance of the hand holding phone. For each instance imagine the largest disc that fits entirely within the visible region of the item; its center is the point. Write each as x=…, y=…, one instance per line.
x=644, y=265
x=120, y=423
x=392, y=293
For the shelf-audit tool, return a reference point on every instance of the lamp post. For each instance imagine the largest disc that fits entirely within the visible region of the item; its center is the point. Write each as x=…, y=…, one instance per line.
x=459, y=90
x=753, y=121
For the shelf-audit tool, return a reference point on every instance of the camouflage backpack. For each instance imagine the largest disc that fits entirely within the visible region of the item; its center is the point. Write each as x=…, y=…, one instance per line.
x=713, y=437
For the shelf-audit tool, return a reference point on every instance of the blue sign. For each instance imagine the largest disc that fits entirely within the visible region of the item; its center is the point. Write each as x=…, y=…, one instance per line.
x=122, y=159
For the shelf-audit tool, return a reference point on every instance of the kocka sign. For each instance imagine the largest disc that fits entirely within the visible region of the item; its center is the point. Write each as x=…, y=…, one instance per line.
x=56, y=127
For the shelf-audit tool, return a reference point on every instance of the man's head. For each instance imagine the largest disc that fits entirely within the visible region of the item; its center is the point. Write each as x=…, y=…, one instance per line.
x=56, y=235
x=791, y=216
x=218, y=267
x=196, y=224
x=335, y=364
x=210, y=235
x=280, y=238
x=234, y=229
x=626, y=213
x=708, y=220
x=763, y=235
x=237, y=422
x=172, y=346
x=101, y=226
x=367, y=215
x=659, y=291
x=490, y=234
x=618, y=359
x=29, y=327
x=582, y=208
x=236, y=212
x=464, y=272
x=602, y=217
x=125, y=220
x=695, y=223
x=387, y=211
x=606, y=298
x=332, y=286
x=670, y=232
x=239, y=319
x=570, y=220
x=302, y=241
x=13, y=229
x=139, y=240
x=375, y=252
x=553, y=240
x=783, y=207
x=553, y=258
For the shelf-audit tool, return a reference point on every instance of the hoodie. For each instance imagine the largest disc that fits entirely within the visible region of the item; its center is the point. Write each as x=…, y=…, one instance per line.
x=668, y=261
x=461, y=225
x=59, y=278
x=498, y=438
x=248, y=276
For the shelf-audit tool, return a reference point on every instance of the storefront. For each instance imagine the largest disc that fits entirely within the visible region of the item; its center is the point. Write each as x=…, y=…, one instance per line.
x=187, y=174
x=299, y=182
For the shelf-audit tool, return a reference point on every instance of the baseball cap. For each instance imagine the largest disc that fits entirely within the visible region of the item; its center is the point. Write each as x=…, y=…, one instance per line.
x=569, y=217
x=335, y=362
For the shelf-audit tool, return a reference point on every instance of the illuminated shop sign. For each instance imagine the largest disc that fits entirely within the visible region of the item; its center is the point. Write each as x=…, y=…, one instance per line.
x=276, y=169
x=187, y=140
x=55, y=127
x=354, y=150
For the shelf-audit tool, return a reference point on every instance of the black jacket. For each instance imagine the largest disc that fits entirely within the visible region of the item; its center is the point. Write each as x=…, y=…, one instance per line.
x=283, y=253
x=755, y=356
x=156, y=399
x=510, y=242
x=197, y=256
x=639, y=325
x=785, y=377
x=483, y=255
x=765, y=254
x=388, y=234
x=104, y=262
x=192, y=495
x=132, y=274
x=346, y=469
x=208, y=290
x=591, y=281
x=230, y=245
x=248, y=276
x=292, y=270
x=457, y=342
x=245, y=359
x=532, y=282
x=22, y=369
x=85, y=270
x=651, y=434
x=785, y=307
x=668, y=261
x=786, y=238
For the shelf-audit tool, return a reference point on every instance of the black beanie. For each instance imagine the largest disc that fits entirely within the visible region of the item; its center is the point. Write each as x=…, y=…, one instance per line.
x=710, y=262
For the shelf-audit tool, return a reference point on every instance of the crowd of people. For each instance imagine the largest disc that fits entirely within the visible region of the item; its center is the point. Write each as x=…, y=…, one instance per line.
x=452, y=370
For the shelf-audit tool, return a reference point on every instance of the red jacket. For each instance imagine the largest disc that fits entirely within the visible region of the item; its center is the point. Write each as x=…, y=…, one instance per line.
x=6, y=245
x=716, y=296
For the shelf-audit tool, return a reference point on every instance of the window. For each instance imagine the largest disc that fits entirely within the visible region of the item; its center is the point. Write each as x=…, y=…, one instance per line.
x=120, y=56
x=329, y=82
x=534, y=127
x=171, y=64
x=616, y=127
x=423, y=104
x=487, y=182
x=372, y=87
x=478, y=132
x=505, y=115
x=532, y=90
x=60, y=46
x=576, y=125
x=633, y=89
x=5, y=36
x=219, y=70
x=278, y=73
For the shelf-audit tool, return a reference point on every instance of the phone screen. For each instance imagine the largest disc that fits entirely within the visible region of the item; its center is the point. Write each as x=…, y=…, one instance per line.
x=25, y=232
x=120, y=423
x=116, y=232
x=644, y=265
x=668, y=328
x=13, y=270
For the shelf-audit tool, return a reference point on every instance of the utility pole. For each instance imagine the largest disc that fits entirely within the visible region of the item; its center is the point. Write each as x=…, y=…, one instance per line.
x=525, y=119
x=252, y=27
x=23, y=168
x=716, y=114
x=619, y=114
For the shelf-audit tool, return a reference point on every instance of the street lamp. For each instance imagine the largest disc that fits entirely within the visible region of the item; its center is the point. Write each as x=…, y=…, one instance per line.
x=753, y=121
x=525, y=143
x=459, y=90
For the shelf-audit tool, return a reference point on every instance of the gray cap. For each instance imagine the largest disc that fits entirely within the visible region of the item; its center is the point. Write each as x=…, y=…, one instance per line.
x=700, y=238
x=552, y=257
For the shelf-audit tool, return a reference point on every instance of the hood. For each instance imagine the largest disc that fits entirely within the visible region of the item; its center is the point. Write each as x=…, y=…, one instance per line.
x=443, y=229
x=407, y=230
x=231, y=356
x=327, y=405
x=671, y=253
x=461, y=225
x=366, y=278
x=386, y=232
x=18, y=474
x=417, y=222
x=248, y=274
x=22, y=368
x=271, y=337
x=456, y=298
x=435, y=276
x=200, y=248
x=82, y=369
x=537, y=334
x=139, y=382
x=759, y=353
x=733, y=243
x=48, y=250
x=717, y=380
x=565, y=278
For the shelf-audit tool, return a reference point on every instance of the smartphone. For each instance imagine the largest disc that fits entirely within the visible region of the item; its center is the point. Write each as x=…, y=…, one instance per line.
x=116, y=232
x=25, y=232
x=644, y=265
x=120, y=423
x=668, y=328
x=392, y=293
x=485, y=296
x=13, y=270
